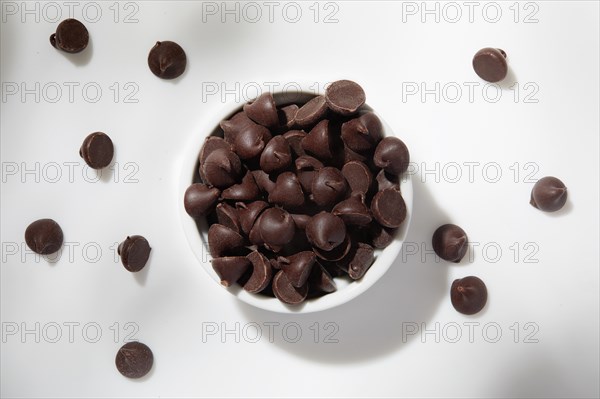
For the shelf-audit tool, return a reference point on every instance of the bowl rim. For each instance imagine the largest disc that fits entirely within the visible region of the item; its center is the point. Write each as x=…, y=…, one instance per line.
x=198, y=244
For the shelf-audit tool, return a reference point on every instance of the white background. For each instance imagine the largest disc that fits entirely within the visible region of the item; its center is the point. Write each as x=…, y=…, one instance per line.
x=387, y=52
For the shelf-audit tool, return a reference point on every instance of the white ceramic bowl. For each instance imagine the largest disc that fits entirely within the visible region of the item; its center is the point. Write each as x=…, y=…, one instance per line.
x=196, y=233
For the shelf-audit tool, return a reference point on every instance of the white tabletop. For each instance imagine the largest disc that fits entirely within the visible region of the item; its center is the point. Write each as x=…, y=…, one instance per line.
x=476, y=148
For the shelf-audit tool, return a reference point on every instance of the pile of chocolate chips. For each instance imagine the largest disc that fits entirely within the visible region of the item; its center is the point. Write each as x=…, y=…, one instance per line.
x=297, y=193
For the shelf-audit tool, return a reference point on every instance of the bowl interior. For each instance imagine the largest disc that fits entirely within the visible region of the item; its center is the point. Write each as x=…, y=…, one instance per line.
x=197, y=231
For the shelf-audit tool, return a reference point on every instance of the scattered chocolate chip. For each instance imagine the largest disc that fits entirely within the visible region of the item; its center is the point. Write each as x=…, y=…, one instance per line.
x=353, y=210
x=362, y=133
x=297, y=267
x=358, y=176
x=44, y=236
x=287, y=192
x=392, y=156
x=221, y=168
x=311, y=112
x=199, y=199
x=261, y=273
x=276, y=156
x=388, y=208
x=167, y=60
x=490, y=64
x=230, y=268
x=328, y=186
x=134, y=252
x=97, y=150
x=71, y=36
x=263, y=110
x=326, y=231
x=134, y=360
x=468, y=295
x=286, y=292
x=549, y=194
x=247, y=190
x=344, y=97
x=222, y=241
x=450, y=242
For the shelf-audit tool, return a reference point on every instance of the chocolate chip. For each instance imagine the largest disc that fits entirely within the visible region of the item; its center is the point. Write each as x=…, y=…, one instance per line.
x=358, y=176
x=337, y=253
x=223, y=241
x=247, y=138
x=353, y=210
x=228, y=216
x=306, y=169
x=388, y=208
x=361, y=260
x=350, y=156
x=247, y=190
x=287, y=192
x=71, y=36
x=167, y=60
x=326, y=231
x=261, y=273
x=134, y=360
x=386, y=180
x=210, y=144
x=392, y=156
x=318, y=142
x=276, y=228
x=320, y=280
x=97, y=150
x=294, y=139
x=263, y=110
x=297, y=267
x=248, y=213
x=44, y=236
x=221, y=168
x=287, y=116
x=344, y=97
x=230, y=268
x=276, y=156
x=362, y=133
x=311, y=112
x=300, y=220
x=549, y=194
x=199, y=199
x=381, y=236
x=328, y=186
x=263, y=181
x=490, y=64
x=286, y=292
x=134, y=252
x=450, y=242
x=468, y=295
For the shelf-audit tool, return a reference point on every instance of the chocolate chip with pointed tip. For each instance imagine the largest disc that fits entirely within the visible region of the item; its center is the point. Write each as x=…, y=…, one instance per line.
x=199, y=199
x=358, y=176
x=326, y=231
x=361, y=260
x=222, y=241
x=134, y=252
x=276, y=156
x=286, y=292
x=337, y=253
x=263, y=110
x=263, y=181
x=450, y=242
x=247, y=190
x=319, y=142
x=228, y=216
x=363, y=133
x=344, y=97
x=311, y=112
x=306, y=169
x=248, y=213
x=294, y=139
x=230, y=268
x=222, y=168
x=388, y=208
x=261, y=273
x=276, y=227
x=287, y=192
x=468, y=295
x=392, y=156
x=328, y=186
x=298, y=267
x=353, y=210
x=350, y=156
x=167, y=60
x=211, y=143
x=549, y=194
x=386, y=180
x=247, y=138
x=320, y=279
